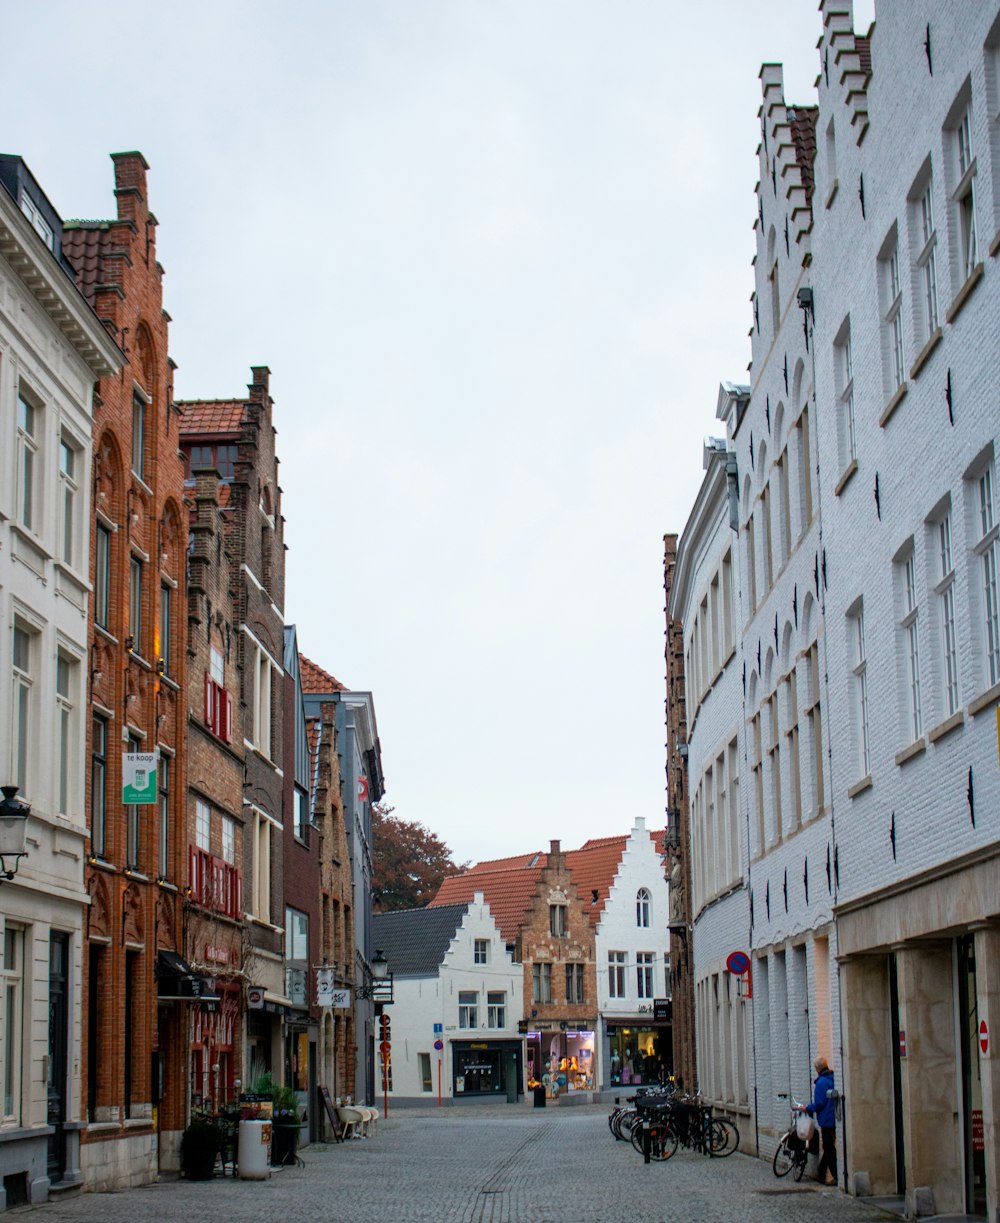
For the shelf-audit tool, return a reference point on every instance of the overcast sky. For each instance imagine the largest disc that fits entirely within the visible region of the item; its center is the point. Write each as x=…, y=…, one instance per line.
x=497, y=255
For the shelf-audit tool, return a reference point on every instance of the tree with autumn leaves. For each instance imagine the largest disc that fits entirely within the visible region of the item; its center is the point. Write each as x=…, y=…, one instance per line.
x=408, y=861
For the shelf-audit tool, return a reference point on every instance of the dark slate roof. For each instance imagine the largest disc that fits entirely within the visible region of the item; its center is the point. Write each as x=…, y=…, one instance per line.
x=415, y=941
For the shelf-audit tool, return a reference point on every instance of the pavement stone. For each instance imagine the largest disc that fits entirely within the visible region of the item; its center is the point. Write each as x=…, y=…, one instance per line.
x=490, y=1165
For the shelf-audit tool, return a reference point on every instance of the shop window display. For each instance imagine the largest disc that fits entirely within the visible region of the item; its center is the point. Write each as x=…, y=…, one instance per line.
x=562, y=1061
x=636, y=1057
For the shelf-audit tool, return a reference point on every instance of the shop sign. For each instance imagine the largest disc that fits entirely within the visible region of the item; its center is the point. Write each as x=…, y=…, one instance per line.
x=645, y=1008
x=324, y=986
x=340, y=999
x=216, y=955
x=661, y=1009
x=255, y=997
x=902, y=1042
x=978, y=1141
x=477, y=1045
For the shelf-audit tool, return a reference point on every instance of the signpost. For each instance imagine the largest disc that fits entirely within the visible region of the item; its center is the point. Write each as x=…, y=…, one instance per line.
x=738, y=963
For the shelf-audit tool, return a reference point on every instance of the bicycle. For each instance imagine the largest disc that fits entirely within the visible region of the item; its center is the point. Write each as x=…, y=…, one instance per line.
x=793, y=1151
x=687, y=1123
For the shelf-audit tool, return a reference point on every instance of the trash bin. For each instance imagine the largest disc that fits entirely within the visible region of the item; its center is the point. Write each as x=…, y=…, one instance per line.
x=255, y=1150
x=538, y=1093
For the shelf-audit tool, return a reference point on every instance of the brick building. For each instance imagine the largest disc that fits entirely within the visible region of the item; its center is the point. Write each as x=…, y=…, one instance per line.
x=134, y=1067
x=214, y=928
x=337, y=1053
x=240, y=432
x=53, y=348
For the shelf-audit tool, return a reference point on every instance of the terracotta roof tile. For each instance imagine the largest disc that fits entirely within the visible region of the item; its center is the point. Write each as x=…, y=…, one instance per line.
x=804, y=138
x=315, y=680
x=518, y=862
x=84, y=244
x=211, y=415
x=593, y=869
x=507, y=892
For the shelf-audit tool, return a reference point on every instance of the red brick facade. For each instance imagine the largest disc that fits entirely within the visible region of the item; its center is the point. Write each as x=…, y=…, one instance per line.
x=135, y=864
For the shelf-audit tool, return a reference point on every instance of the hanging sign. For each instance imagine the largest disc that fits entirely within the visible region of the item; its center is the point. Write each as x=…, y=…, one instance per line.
x=139, y=777
x=340, y=999
x=362, y=788
x=255, y=997
x=984, y=1036
x=902, y=1042
x=324, y=986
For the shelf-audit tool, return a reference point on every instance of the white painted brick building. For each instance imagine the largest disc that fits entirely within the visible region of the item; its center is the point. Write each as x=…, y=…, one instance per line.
x=868, y=624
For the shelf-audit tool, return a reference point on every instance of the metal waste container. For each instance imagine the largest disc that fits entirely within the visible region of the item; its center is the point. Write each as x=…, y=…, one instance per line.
x=255, y=1150
x=539, y=1095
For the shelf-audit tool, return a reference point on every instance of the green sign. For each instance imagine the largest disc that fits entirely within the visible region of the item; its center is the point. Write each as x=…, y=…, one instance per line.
x=139, y=777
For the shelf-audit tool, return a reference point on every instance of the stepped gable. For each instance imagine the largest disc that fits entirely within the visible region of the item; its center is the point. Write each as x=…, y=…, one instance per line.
x=790, y=132
x=509, y=893
x=847, y=59
x=316, y=681
x=415, y=941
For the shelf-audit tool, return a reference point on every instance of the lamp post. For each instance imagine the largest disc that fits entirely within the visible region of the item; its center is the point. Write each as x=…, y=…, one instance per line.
x=13, y=829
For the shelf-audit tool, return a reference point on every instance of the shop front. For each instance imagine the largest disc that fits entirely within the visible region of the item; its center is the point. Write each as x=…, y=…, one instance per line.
x=486, y=1068
x=563, y=1059
x=638, y=1052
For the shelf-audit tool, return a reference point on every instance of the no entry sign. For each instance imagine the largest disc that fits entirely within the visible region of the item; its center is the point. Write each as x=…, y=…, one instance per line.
x=984, y=1036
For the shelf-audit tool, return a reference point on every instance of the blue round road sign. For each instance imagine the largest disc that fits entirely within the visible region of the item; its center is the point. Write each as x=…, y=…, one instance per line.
x=439, y=1045
x=738, y=962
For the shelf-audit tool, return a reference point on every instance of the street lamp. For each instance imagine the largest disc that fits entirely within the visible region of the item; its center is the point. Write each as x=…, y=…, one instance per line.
x=377, y=973
x=13, y=828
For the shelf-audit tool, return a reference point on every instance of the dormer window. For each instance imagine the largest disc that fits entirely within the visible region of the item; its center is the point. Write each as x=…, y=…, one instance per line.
x=38, y=222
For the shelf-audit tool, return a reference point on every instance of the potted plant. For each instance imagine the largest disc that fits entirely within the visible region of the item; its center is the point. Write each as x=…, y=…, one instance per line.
x=201, y=1143
x=287, y=1119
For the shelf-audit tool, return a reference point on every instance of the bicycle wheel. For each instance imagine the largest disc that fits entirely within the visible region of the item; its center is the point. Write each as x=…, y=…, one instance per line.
x=800, y=1166
x=784, y=1160
x=612, y=1118
x=721, y=1137
x=624, y=1124
x=662, y=1139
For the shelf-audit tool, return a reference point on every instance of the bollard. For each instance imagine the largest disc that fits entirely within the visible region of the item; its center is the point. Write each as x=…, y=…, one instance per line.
x=645, y=1142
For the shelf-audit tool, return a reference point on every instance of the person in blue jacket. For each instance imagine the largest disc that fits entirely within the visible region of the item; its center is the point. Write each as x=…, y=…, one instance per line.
x=824, y=1109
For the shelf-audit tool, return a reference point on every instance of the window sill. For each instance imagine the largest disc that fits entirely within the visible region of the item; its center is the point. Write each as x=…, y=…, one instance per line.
x=845, y=479
x=859, y=787
x=924, y=354
x=897, y=398
x=102, y=864
x=170, y=683
x=106, y=633
x=985, y=700
x=964, y=293
x=831, y=195
x=946, y=727
x=917, y=748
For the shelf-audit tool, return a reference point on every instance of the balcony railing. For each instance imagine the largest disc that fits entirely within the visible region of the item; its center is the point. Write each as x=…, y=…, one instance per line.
x=216, y=884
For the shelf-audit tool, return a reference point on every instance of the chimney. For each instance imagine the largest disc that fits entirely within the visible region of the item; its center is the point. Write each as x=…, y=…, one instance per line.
x=554, y=849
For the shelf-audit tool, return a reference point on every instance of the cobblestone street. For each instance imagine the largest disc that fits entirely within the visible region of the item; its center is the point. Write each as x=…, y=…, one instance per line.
x=482, y=1166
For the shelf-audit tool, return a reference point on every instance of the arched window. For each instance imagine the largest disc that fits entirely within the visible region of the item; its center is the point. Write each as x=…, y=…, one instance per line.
x=642, y=907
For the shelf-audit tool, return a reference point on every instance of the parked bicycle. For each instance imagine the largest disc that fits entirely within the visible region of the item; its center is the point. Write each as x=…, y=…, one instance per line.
x=687, y=1123
x=793, y=1147
x=624, y=1116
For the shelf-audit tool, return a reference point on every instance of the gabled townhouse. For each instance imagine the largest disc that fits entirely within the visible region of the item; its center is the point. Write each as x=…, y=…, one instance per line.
x=215, y=931
x=337, y=1053
x=134, y=1068
x=905, y=341
x=301, y=891
x=704, y=599
x=237, y=437
x=361, y=784
x=53, y=349
x=456, y=985
x=622, y=884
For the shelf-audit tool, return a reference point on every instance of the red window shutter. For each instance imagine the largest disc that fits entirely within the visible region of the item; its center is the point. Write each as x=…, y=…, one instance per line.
x=209, y=701
x=227, y=733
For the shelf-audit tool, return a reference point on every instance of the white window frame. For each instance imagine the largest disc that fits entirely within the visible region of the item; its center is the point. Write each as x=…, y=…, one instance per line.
x=12, y=960
x=964, y=197
x=987, y=552
x=844, y=381
x=229, y=840
x=24, y=712
x=67, y=731
x=30, y=432
x=70, y=464
x=203, y=825
x=468, y=1008
x=947, y=624
x=496, y=1008
x=927, y=258
x=859, y=672
x=617, y=963
x=541, y=982
x=892, y=317
x=644, y=962
x=481, y=951
x=909, y=627
x=643, y=908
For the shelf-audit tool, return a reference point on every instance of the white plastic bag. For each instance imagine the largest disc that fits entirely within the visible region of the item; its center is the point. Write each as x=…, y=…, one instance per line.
x=805, y=1126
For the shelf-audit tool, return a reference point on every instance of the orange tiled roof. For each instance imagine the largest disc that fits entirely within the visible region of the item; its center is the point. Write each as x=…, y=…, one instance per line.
x=804, y=139
x=517, y=862
x=211, y=415
x=507, y=892
x=317, y=681
x=593, y=868
x=84, y=244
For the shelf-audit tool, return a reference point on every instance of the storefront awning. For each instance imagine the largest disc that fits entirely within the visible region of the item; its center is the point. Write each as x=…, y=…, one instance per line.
x=177, y=981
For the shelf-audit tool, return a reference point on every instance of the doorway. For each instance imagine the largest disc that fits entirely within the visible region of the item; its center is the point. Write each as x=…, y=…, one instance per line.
x=58, y=1051
x=972, y=1084
x=897, y=1038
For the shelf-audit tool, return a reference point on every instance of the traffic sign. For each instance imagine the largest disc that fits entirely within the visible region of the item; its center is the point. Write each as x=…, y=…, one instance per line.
x=384, y=1047
x=738, y=962
x=439, y=1045
x=984, y=1036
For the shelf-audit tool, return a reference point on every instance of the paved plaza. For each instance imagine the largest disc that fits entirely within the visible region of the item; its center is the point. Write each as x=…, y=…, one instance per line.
x=466, y=1165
